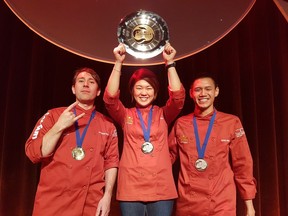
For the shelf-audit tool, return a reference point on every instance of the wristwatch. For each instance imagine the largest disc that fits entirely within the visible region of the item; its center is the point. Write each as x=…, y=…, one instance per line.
x=170, y=65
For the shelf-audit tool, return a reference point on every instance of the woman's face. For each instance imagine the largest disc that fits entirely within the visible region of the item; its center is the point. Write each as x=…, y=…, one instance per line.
x=143, y=93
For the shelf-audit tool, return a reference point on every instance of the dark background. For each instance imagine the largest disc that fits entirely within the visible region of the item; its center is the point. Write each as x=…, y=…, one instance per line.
x=251, y=64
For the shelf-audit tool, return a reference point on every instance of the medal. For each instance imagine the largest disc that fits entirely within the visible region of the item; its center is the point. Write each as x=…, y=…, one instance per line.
x=147, y=147
x=78, y=153
x=201, y=164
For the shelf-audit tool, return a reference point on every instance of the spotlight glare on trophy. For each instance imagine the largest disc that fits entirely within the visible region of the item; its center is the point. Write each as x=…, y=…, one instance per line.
x=143, y=33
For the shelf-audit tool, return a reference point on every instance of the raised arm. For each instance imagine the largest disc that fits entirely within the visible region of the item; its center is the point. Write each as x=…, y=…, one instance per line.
x=50, y=139
x=173, y=78
x=114, y=79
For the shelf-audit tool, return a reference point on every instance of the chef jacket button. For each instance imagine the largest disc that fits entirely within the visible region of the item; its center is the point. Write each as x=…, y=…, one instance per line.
x=84, y=187
x=91, y=149
x=87, y=167
x=210, y=177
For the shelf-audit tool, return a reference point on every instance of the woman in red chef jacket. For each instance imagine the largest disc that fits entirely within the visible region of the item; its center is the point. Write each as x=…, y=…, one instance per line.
x=145, y=179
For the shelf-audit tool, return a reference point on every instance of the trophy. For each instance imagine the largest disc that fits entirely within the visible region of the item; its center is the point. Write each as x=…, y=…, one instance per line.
x=143, y=33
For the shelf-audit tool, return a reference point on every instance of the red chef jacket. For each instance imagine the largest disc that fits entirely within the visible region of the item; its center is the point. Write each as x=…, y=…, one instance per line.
x=145, y=177
x=213, y=191
x=68, y=186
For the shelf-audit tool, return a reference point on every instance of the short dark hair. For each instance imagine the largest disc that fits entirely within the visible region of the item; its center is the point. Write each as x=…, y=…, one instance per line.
x=88, y=70
x=204, y=75
x=144, y=74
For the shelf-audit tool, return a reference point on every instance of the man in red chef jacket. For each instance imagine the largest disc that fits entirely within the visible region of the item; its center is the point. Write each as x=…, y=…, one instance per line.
x=78, y=151
x=205, y=141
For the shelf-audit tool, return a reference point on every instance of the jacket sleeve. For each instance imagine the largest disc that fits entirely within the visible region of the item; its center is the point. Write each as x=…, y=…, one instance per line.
x=174, y=105
x=173, y=144
x=114, y=107
x=34, y=143
x=111, y=157
x=242, y=163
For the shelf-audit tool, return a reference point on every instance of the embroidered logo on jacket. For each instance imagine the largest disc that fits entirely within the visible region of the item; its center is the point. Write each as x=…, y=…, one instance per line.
x=129, y=120
x=239, y=132
x=39, y=127
x=183, y=139
x=114, y=134
x=225, y=140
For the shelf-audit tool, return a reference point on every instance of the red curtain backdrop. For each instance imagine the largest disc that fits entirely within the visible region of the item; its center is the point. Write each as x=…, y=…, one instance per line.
x=251, y=64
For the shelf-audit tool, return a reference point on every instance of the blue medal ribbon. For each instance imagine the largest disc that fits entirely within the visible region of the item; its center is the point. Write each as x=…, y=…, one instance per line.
x=201, y=151
x=146, y=131
x=80, y=139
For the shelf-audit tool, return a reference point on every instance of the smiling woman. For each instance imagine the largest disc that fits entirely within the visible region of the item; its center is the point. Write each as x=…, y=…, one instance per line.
x=90, y=29
x=145, y=128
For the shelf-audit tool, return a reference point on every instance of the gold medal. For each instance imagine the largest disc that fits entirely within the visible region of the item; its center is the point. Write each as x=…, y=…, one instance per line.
x=78, y=153
x=201, y=164
x=147, y=147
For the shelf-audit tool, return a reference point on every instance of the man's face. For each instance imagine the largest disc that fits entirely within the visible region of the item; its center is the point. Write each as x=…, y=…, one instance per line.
x=203, y=92
x=85, y=88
